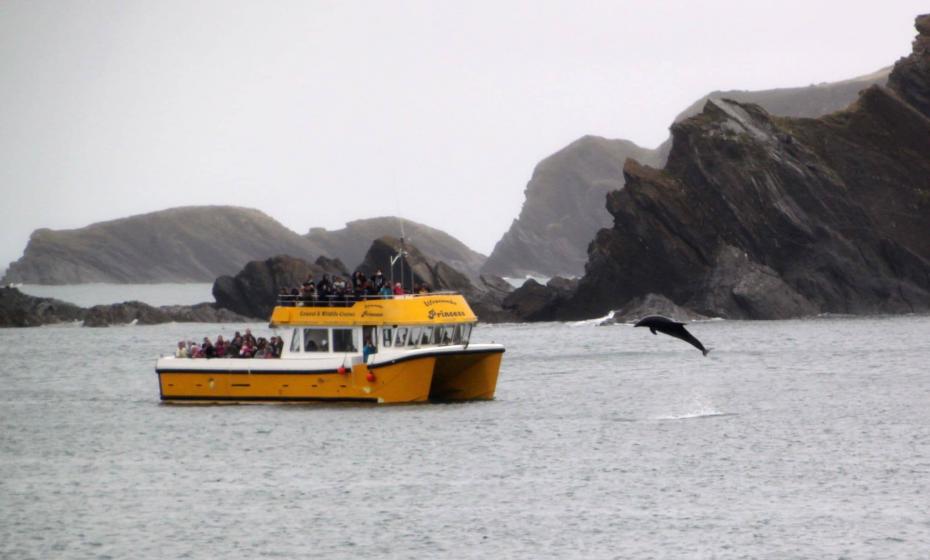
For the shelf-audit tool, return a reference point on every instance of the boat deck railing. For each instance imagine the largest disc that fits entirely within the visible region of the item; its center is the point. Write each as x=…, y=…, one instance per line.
x=347, y=299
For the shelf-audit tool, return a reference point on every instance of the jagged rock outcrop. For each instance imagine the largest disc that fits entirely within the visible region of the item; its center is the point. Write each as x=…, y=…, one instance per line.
x=352, y=242
x=650, y=304
x=21, y=310
x=485, y=297
x=137, y=312
x=911, y=76
x=189, y=244
x=536, y=302
x=564, y=207
x=254, y=290
x=564, y=204
x=810, y=101
x=757, y=216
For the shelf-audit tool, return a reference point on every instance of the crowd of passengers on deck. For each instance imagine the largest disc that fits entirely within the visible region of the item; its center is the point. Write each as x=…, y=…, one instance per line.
x=336, y=291
x=240, y=346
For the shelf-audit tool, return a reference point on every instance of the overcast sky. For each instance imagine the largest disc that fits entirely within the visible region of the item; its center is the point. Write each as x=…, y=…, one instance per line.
x=319, y=113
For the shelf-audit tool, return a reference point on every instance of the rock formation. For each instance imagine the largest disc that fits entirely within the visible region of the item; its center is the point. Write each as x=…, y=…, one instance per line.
x=485, y=297
x=757, y=216
x=650, y=304
x=350, y=243
x=564, y=207
x=254, y=290
x=136, y=312
x=809, y=101
x=21, y=310
x=535, y=302
x=564, y=204
x=190, y=244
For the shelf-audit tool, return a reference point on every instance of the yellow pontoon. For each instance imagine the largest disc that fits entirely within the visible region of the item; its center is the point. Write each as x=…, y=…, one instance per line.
x=407, y=348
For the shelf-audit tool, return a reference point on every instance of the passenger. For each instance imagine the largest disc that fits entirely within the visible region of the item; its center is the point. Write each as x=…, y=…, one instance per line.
x=378, y=280
x=324, y=289
x=278, y=346
x=423, y=289
x=207, y=347
x=247, y=350
x=308, y=294
x=361, y=288
x=220, y=347
x=385, y=291
x=358, y=282
x=368, y=350
x=234, y=346
x=251, y=339
x=196, y=351
x=398, y=289
x=339, y=289
x=273, y=346
x=181, y=352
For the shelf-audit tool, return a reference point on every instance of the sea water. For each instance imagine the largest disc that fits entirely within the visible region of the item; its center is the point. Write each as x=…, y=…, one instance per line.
x=87, y=295
x=791, y=439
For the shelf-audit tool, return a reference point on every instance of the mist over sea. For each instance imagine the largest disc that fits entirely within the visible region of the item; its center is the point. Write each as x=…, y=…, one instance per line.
x=792, y=439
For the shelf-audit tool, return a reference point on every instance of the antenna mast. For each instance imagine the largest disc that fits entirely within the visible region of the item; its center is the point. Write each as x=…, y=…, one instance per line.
x=401, y=252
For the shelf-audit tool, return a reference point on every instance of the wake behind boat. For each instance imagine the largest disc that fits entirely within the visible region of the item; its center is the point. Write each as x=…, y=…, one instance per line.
x=385, y=349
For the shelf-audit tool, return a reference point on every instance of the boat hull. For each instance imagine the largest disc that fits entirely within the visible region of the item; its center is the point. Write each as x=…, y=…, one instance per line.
x=466, y=374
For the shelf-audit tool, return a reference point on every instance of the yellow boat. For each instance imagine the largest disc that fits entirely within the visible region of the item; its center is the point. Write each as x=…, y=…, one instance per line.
x=399, y=349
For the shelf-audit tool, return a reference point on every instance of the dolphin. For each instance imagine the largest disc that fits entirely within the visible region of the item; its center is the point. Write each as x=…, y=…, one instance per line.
x=671, y=328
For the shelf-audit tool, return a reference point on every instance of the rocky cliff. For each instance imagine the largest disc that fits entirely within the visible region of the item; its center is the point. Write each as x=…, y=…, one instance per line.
x=190, y=244
x=564, y=204
x=811, y=101
x=21, y=310
x=351, y=243
x=254, y=290
x=758, y=216
x=564, y=207
x=485, y=296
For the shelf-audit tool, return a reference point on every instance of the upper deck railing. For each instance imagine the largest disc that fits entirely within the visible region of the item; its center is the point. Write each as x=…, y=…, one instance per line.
x=347, y=299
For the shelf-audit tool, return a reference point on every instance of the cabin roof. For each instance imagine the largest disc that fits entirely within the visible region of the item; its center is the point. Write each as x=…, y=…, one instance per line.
x=413, y=309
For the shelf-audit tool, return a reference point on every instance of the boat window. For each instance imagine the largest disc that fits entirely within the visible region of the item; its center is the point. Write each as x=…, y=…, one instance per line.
x=344, y=340
x=457, y=334
x=466, y=334
x=316, y=340
x=427, y=336
x=401, y=336
x=446, y=335
x=387, y=334
x=295, y=341
x=369, y=334
x=414, y=338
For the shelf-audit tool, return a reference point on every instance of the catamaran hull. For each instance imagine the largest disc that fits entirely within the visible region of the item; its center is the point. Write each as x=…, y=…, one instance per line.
x=468, y=374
